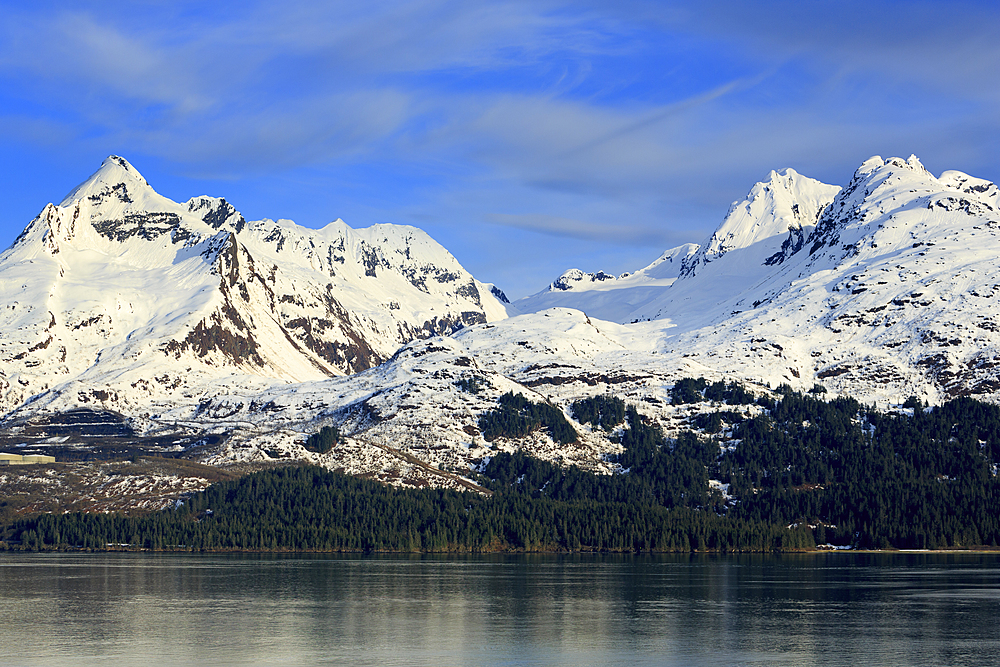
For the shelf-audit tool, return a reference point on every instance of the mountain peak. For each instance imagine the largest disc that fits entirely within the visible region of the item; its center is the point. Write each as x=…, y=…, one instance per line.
x=777, y=211
x=884, y=182
x=875, y=163
x=786, y=174
x=116, y=162
x=869, y=165
x=575, y=278
x=115, y=175
x=915, y=163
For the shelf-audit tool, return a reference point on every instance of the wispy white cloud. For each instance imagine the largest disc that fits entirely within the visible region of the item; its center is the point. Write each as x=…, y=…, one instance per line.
x=279, y=134
x=73, y=52
x=619, y=234
x=40, y=131
x=947, y=46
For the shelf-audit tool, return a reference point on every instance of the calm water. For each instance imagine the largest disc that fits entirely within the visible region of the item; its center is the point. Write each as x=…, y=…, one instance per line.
x=822, y=609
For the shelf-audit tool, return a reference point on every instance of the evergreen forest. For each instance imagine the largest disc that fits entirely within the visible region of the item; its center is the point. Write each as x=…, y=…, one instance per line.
x=791, y=470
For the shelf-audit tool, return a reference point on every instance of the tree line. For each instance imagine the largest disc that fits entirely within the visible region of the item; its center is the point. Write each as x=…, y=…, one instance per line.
x=797, y=470
x=312, y=509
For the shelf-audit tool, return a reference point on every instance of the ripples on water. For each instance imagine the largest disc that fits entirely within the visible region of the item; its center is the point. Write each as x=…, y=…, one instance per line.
x=810, y=609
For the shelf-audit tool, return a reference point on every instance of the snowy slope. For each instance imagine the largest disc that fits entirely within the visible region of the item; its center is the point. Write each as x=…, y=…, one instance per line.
x=120, y=297
x=606, y=296
x=413, y=406
x=760, y=232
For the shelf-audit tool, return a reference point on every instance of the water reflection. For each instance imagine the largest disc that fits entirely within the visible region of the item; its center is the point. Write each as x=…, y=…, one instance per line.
x=816, y=609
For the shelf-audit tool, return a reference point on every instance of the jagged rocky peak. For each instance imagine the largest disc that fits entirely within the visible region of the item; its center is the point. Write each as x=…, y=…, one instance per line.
x=115, y=179
x=770, y=224
x=979, y=187
x=217, y=213
x=880, y=179
x=877, y=170
x=113, y=191
x=577, y=279
x=116, y=206
x=888, y=201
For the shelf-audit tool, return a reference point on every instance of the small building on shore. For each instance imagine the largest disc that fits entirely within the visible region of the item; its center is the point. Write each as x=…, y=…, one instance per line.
x=27, y=459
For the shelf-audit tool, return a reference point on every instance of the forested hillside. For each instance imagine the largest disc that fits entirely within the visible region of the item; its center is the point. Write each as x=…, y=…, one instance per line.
x=310, y=509
x=787, y=471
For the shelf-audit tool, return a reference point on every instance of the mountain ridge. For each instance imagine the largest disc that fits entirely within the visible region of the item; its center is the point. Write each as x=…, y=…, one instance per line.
x=883, y=289
x=269, y=301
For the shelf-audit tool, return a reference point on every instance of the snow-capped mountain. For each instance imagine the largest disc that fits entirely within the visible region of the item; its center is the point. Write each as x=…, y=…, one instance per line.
x=122, y=298
x=882, y=289
x=764, y=229
x=891, y=292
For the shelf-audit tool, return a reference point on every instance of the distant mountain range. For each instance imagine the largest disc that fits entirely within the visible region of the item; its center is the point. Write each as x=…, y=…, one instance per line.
x=188, y=316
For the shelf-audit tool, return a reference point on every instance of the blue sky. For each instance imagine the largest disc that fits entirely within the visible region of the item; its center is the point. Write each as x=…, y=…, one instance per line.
x=526, y=137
